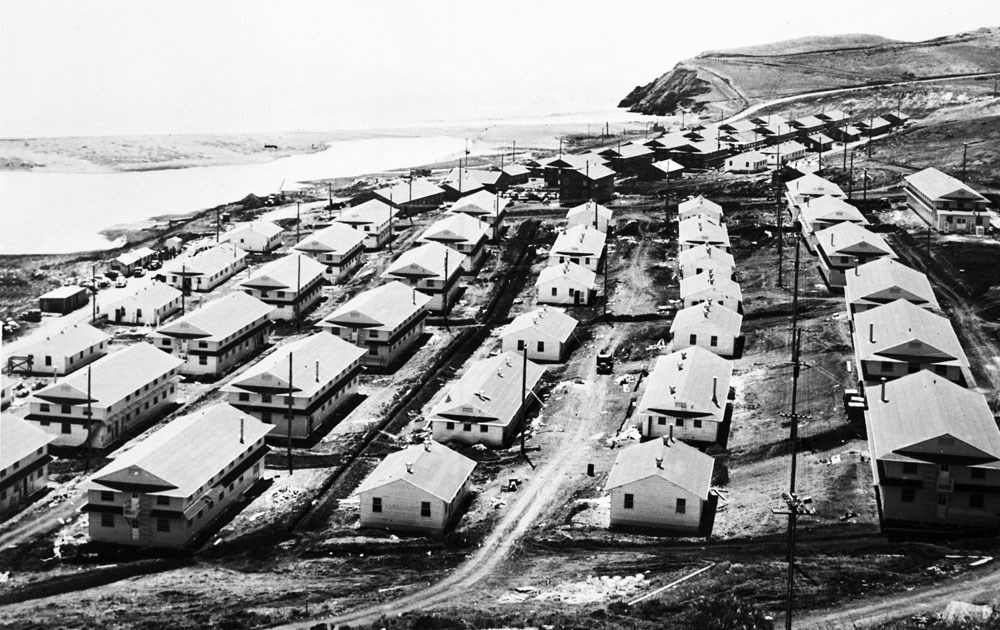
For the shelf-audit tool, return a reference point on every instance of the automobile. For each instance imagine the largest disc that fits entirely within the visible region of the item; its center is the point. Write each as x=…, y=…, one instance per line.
x=605, y=362
x=154, y=265
x=121, y=282
x=32, y=315
x=111, y=274
x=103, y=283
x=138, y=273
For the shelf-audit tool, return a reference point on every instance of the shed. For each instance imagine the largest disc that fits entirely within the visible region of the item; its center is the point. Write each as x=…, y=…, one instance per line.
x=64, y=300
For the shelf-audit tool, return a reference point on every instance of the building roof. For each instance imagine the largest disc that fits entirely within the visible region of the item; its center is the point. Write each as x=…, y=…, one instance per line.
x=668, y=166
x=431, y=467
x=750, y=156
x=727, y=320
x=316, y=361
x=19, y=439
x=185, y=454
x=455, y=228
x=62, y=293
x=468, y=183
x=829, y=209
x=821, y=138
x=675, y=462
x=849, y=239
x=550, y=322
x=337, y=238
x=134, y=256
x=710, y=281
x=813, y=186
x=784, y=148
x=218, y=319
x=427, y=261
x=373, y=211
x=699, y=229
x=589, y=209
x=625, y=151
x=571, y=272
x=594, y=169
x=384, y=307
x=807, y=121
x=900, y=329
x=288, y=273
x=771, y=119
x=152, y=296
x=113, y=376
x=919, y=408
x=740, y=126
x=701, y=205
x=706, y=252
x=489, y=390
x=207, y=262
x=480, y=203
x=833, y=115
x=938, y=185
x=264, y=228
x=478, y=176
x=693, y=382
x=71, y=340
x=884, y=280
x=874, y=123
x=405, y=192
x=515, y=170
x=580, y=240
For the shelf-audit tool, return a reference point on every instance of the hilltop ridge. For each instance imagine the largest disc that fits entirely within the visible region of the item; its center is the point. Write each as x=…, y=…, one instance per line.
x=730, y=80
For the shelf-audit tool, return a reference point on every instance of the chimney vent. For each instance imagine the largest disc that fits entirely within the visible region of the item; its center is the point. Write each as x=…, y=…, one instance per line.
x=659, y=462
x=409, y=467
x=427, y=445
x=871, y=332
x=715, y=386
x=884, y=399
x=670, y=435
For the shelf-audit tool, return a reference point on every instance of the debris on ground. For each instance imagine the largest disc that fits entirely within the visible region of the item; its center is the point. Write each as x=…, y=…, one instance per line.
x=963, y=612
x=629, y=434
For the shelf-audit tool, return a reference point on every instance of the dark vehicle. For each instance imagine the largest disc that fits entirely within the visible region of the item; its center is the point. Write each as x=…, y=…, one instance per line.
x=138, y=273
x=605, y=362
x=111, y=274
x=32, y=315
x=154, y=265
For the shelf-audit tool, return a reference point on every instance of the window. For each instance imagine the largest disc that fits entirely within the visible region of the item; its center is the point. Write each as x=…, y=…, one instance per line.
x=629, y=501
x=975, y=500
x=376, y=504
x=163, y=500
x=484, y=428
x=907, y=495
x=978, y=473
x=909, y=468
x=107, y=520
x=661, y=420
x=450, y=426
x=265, y=398
x=554, y=291
x=66, y=409
x=265, y=416
x=693, y=339
x=713, y=341
x=696, y=423
x=541, y=346
x=67, y=427
x=681, y=506
x=942, y=499
x=244, y=397
x=466, y=427
x=44, y=408
x=162, y=525
x=520, y=344
x=679, y=422
x=425, y=509
x=107, y=496
x=945, y=468
x=202, y=359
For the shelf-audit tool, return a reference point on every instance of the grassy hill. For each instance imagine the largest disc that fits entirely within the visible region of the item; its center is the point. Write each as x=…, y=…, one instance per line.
x=730, y=80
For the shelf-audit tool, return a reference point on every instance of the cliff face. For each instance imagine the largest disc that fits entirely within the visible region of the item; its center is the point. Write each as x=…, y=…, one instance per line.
x=730, y=80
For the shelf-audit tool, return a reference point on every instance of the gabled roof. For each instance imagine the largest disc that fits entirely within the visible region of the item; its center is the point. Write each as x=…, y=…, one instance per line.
x=770, y=119
x=700, y=204
x=873, y=123
x=594, y=169
x=404, y=192
x=112, y=376
x=373, y=211
x=589, y=209
x=264, y=228
x=207, y=262
x=670, y=141
x=667, y=166
x=431, y=467
x=484, y=177
x=625, y=151
x=884, y=280
x=19, y=439
x=548, y=321
x=69, y=341
x=900, y=330
x=481, y=203
x=699, y=229
x=62, y=292
x=938, y=185
x=426, y=261
x=571, y=272
x=784, y=148
x=684, y=466
x=316, y=361
x=814, y=186
x=455, y=228
x=749, y=156
x=709, y=252
x=384, y=307
x=692, y=382
x=218, y=319
x=710, y=281
x=580, y=240
x=288, y=273
x=151, y=296
x=830, y=210
x=807, y=122
x=514, y=170
x=185, y=454
x=463, y=180
x=919, y=408
x=848, y=239
x=490, y=390
x=578, y=161
x=134, y=256
x=724, y=318
x=832, y=115
x=821, y=138
x=740, y=126
x=337, y=238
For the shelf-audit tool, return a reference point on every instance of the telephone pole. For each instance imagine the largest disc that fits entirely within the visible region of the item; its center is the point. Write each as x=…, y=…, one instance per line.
x=290, y=415
x=780, y=228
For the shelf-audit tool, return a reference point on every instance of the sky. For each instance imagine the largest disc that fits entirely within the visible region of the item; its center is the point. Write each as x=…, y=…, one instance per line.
x=85, y=67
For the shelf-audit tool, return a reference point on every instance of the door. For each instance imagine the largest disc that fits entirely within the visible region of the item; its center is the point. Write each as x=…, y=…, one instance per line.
x=577, y=296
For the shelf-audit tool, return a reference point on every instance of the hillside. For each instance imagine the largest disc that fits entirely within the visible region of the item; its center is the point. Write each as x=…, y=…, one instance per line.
x=728, y=81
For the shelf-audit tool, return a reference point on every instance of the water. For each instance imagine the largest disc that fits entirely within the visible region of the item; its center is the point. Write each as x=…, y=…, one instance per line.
x=47, y=212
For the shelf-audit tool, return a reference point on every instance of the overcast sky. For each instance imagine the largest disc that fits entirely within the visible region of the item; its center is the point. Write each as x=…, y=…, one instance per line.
x=73, y=67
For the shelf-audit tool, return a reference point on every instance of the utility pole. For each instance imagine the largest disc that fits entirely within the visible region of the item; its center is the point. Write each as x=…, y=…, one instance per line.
x=298, y=292
x=298, y=220
x=90, y=421
x=850, y=182
x=290, y=416
x=524, y=395
x=93, y=293
x=965, y=154
x=444, y=291
x=781, y=234
x=217, y=224
x=864, y=184
x=184, y=285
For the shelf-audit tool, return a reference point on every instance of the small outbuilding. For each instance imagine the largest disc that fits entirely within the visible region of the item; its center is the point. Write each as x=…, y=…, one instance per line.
x=64, y=300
